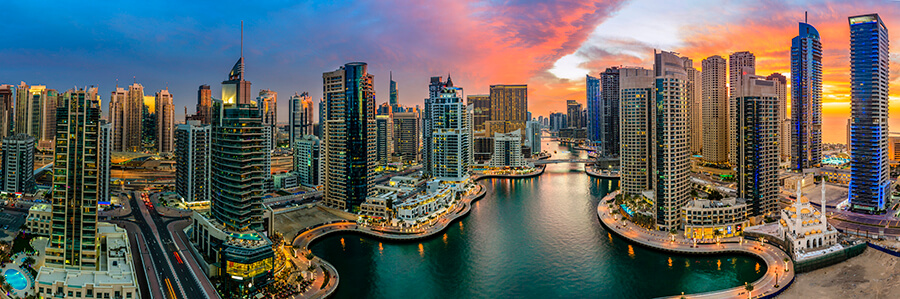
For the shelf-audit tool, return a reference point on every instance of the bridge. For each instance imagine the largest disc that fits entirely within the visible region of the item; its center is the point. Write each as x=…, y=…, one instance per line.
x=544, y=162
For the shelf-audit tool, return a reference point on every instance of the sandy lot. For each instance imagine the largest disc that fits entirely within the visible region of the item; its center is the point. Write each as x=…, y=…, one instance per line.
x=872, y=274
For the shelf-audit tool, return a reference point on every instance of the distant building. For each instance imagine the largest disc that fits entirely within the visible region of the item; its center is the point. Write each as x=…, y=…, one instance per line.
x=594, y=107
x=165, y=122
x=384, y=141
x=715, y=110
x=482, y=110
x=268, y=107
x=301, y=117
x=306, y=161
x=18, y=164
x=126, y=106
x=533, y=133
x=608, y=124
x=784, y=132
x=509, y=103
x=740, y=64
x=508, y=150
x=7, y=110
x=573, y=109
x=104, y=161
x=870, y=181
x=192, y=161
x=694, y=95
x=406, y=136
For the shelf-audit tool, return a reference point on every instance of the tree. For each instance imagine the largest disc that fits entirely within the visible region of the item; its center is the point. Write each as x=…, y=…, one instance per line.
x=29, y=261
x=715, y=195
x=749, y=288
x=717, y=233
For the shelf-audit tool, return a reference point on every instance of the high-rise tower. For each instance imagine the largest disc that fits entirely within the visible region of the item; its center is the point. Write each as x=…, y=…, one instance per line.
x=636, y=91
x=715, y=110
x=757, y=144
x=165, y=122
x=450, y=135
x=671, y=151
x=740, y=64
x=806, y=99
x=301, y=117
x=870, y=180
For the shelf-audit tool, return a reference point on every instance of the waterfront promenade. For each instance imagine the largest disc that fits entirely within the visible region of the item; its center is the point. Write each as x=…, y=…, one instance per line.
x=779, y=265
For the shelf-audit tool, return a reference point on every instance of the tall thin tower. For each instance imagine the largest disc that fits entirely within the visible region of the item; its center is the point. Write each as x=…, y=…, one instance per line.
x=806, y=99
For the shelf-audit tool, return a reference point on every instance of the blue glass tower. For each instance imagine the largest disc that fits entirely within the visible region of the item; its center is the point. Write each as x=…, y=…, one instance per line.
x=593, y=107
x=806, y=99
x=869, y=80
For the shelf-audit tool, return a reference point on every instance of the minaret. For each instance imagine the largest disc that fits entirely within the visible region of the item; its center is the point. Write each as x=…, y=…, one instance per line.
x=822, y=204
x=797, y=220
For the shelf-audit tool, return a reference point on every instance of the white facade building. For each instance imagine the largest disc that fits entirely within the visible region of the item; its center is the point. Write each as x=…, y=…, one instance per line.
x=307, y=161
x=192, y=162
x=806, y=229
x=508, y=150
x=450, y=135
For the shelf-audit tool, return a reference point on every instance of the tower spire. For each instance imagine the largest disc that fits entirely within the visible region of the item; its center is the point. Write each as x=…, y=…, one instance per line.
x=822, y=202
x=242, y=48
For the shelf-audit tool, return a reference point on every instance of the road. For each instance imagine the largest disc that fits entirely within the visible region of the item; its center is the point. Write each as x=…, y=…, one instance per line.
x=175, y=278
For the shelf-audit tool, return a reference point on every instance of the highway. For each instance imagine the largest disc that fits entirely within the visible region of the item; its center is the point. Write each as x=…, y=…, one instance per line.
x=174, y=277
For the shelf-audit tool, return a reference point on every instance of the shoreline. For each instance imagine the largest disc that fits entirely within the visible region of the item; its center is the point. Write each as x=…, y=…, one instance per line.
x=769, y=254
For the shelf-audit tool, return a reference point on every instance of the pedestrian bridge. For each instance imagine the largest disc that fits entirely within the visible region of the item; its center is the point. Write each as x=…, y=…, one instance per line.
x=544, y=162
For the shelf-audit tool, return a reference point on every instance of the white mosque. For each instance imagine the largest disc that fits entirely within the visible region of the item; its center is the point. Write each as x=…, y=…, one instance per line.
x=805, y=229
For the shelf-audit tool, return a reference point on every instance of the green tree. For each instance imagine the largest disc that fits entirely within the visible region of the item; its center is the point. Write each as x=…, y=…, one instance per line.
x=715, y=195
x=717, y=233
x=749, y=288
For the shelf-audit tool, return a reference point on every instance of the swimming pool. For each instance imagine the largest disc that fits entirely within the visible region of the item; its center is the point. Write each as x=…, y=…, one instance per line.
x=15, y=279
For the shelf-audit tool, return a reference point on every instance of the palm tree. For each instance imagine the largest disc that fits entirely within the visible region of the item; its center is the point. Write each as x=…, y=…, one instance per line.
x=749, y=288
x=673, y=231
x=717, y=233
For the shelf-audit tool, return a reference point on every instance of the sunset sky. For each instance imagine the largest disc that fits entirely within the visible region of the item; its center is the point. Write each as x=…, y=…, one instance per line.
x=549, y=45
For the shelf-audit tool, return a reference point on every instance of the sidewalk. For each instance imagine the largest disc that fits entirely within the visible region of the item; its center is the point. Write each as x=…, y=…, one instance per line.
x=779, y=265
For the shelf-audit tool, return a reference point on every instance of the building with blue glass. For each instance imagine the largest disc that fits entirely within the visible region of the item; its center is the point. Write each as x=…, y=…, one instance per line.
x=594, y=108
x=806, y=99
x=609, y=117
x=869, y=81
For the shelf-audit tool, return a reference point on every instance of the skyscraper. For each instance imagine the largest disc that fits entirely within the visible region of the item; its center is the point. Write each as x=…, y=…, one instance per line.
x=192, y=161
x=870, y=180
x=18, y=164
x=694, y=95
x=406, y=135
x=609, y=115
x=268, y=106
x=508, y=106
x=594, y=108
x=307, y=163
x=32, y=104
x=573, y=110
x=482, y=110
x=715, y=110
x=395, y=104
x=636, y=92
x=7, y=110
x=450, y=134
x=148, y=123
x=671, y=151
x=47, y=129
x=784, y=132
x=533, y=136
x=204, y=103
x=349, y=135
x=435, y=89
x=301, y=120
x=74, y=241
x=757, y=143
x=165, y=122
x=104, y=161
x=126, y=108
x=739, y=64
x=806, y=99
x=384, y=144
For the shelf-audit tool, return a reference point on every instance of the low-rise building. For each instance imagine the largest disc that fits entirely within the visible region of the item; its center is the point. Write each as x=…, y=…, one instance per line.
x=840, y=176
x=286, y=180
x=38, y=220
x=436, y=197
x=508, y=150
x=114, y=278
x=805, y=229
x=377, y=206
x=703, y=217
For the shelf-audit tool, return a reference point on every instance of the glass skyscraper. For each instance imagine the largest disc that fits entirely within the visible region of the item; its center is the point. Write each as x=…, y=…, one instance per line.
x=594, y=109
x=869, y=81
x=806, y=99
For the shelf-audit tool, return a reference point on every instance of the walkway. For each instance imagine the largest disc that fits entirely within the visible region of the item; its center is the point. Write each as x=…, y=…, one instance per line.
x=779, y=265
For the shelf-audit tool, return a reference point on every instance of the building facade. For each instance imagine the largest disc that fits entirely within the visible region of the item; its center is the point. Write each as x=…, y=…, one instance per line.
x=784, y=133
x=636, y=92
x=757, y=141
x=7, y=109
x=715, y=110
x=573, y=110
x=870, y=181
x=806, y=99
x=740, y=64
x=126, y=106
x=436, y=89
x=450, y=135
x=301, y=117
x=384, y=141
x=594, y=108
x=192, y=161
x=104, y=161
x=165, y=122
x=670, y=135
x=508, y=150
x=18, y=164
x=406, y=135
x=509, y=103
x=307, y=163
x=694, y=94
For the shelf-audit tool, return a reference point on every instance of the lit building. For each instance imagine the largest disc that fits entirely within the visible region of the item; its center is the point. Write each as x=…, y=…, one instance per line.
x=806, y=99
x=268, y=106
x=694, y=95
x=558, y=121
x=784, y=137
x=7, y=109
x=384, y=141
x=573, y=109
x=636, y=92
x=893, y=147
x=301, y=112
x=192, y=161
x=740, y=64
x=757, y=143
x=870, y=181
x=31, y=107
x=509, y=103
x=436, y=90
x=126, y=106
x=450, y=134
x=670, y=134
x=165, y=122
x=482, y=110
x=113, y=277
x=204, y=104
x=437, y=196
x=18, y=164
x=75, y=246
x=508, y=150
x=703, y=217
x=395, y=93
x=349, y=143
x=715, y=110
x=307, y=164
x=406, y=135
x=233, y=236
x=594, y=107
x=104, y=161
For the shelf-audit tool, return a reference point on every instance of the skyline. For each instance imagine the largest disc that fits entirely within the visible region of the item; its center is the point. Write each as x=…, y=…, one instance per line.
x=549, y=46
